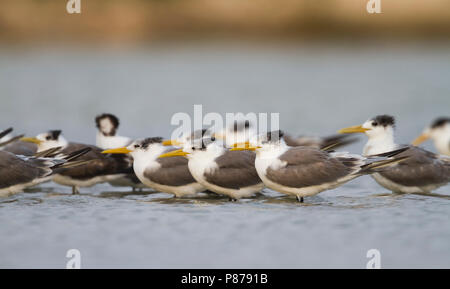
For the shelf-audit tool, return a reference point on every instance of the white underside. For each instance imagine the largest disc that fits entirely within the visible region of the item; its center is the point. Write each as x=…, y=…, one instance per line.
x=68, y=181
x=198, y=166
x=232, y=193
x=270, y=159
x=305, y=191
x=397, y=188
x=179, y=191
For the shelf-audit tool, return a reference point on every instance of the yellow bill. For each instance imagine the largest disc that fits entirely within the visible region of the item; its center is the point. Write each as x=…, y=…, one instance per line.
x=31, y=139
x=174, y=153
x=420, y=139
x=123, y=150
x=354, y=129
x=172, y=142
x=244, y=146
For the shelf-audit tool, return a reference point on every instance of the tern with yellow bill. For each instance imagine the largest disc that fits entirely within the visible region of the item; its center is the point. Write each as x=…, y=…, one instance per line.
x=170, y=175
x=439, y=133
x=306, y=171
x=421, y=172
x=225, y=172
x=99, y=168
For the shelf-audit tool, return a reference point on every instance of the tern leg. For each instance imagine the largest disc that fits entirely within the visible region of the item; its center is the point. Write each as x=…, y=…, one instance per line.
x=133, y=189
x=75, y=190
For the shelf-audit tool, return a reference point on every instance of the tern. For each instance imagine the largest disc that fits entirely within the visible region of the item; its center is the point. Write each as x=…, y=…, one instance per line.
x=421, y=172
x=100, y=168
x=306, y=171
x=166, y=175
x=225, y=172
x=18, y=172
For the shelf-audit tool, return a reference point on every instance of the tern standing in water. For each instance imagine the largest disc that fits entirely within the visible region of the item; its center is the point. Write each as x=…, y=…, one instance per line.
x=306, y=171
x=225, y=172
x=100, y=168
x=421, y=172
x=18, y=172
x=168, y=175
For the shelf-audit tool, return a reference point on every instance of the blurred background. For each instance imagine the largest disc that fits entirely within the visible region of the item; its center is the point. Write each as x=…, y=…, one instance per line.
x=322, y=65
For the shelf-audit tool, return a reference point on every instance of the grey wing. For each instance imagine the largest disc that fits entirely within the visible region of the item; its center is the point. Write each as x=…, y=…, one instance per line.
x=21, y=148
x=302, y=141
x=173, y=171
x=236, y=169
x=331, y=141
x=100, y=164
x=15, y=171
x=306, y=167
x=421, y=168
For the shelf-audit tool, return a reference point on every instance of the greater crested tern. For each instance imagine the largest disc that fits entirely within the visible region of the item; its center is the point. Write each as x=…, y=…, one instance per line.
x=306, y=171
x=107, y=138
x=421, y=172
x=439, y=132
x=18, y=172
x=168, y=175
x=100, y=168
x=225, y=172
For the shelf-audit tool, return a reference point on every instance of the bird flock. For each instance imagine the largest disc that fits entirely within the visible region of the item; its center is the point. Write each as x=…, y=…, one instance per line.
x=236, y=162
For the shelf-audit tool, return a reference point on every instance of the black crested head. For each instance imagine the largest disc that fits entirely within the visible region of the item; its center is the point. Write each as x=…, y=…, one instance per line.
x=112, y=118
x=274, y=136
x=383, y=120
x=205, y=141
x=441, y=121
x=239, y=126
x=150, y=140
x=200, y=133
x=53, y=134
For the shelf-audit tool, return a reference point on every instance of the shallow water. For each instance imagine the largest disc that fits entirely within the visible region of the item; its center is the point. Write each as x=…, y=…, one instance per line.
x=316, y=90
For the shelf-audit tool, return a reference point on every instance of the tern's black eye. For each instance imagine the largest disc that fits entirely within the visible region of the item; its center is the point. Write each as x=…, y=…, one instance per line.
x=136, y=146
x=213, y=139
x=193, y=148
x=48, y=137
x=374, y=123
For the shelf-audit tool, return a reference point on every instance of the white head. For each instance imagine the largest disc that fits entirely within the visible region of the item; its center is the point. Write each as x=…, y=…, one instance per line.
x=239, y=132
x=379, y=130
x=48, y=140
x=438, y=131
x=141, y=149
x=107, y=124
x=267, y=143
x=198, y=146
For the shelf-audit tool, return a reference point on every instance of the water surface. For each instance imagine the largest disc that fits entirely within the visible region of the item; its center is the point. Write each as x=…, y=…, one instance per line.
x=316, y=90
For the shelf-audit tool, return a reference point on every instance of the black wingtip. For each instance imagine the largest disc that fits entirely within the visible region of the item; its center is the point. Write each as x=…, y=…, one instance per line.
x=6, y=132
x=391, y=153
x=77, y=154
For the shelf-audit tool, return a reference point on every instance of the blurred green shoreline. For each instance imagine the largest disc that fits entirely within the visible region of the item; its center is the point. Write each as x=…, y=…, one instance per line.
x=138, y=21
